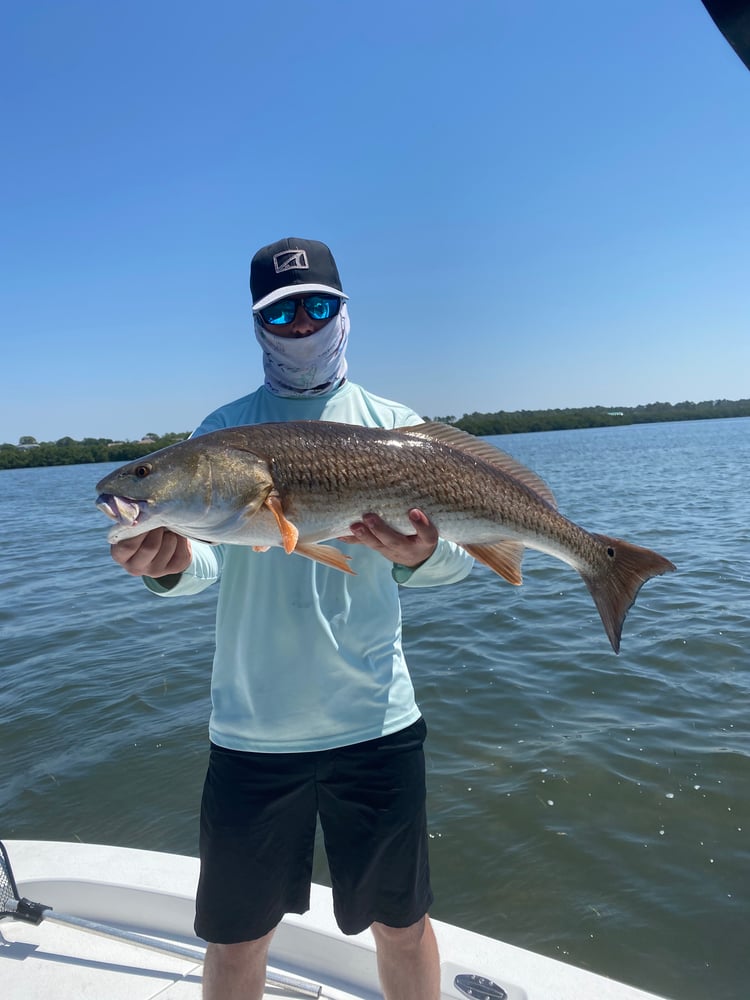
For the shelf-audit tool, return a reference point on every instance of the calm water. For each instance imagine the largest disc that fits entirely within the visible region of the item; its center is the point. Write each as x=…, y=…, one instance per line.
x=589, y=806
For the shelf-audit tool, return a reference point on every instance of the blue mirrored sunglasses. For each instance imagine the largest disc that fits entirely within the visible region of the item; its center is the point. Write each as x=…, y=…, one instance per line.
x=316, y=306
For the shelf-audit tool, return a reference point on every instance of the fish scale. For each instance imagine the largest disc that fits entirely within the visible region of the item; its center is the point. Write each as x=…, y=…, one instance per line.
x=389, y=481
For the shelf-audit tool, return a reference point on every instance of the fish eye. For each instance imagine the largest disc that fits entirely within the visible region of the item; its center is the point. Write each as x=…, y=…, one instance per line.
x=141, y=471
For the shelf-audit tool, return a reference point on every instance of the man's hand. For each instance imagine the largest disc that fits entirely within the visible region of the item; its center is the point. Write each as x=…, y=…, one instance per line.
x=156, y=553
x=406, y=550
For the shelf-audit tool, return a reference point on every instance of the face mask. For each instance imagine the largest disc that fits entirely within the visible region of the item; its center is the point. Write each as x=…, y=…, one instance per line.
x=305, y=366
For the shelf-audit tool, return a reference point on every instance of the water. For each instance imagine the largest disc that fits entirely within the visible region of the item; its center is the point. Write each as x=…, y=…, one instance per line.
x=592, y=807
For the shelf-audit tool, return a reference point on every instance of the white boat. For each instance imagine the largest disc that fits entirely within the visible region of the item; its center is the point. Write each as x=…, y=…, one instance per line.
x=149, y=894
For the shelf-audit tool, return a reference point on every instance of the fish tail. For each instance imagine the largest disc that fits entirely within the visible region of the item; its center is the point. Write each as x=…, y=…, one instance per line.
x=615, y=589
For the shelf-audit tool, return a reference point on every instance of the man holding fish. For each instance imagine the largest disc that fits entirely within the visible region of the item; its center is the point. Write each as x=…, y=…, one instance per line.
x=313, y=711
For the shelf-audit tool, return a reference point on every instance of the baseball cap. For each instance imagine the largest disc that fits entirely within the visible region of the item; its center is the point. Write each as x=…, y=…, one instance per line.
x=292, y=266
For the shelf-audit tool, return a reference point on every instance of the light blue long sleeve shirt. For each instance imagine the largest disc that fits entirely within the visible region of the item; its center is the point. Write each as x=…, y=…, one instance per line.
x=308, y=657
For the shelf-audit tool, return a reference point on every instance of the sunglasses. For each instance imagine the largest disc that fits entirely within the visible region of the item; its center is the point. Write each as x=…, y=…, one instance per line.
x=316, y=306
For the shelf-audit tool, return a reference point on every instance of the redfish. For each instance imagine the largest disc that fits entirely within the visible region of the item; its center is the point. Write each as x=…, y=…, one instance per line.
x=299, y=484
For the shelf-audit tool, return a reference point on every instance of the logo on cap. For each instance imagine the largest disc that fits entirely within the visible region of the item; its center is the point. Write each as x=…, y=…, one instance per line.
x=289, y=260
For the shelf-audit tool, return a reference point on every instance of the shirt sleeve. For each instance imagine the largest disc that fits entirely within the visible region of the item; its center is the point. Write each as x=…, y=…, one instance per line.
x=449, y=563
x=204, y=570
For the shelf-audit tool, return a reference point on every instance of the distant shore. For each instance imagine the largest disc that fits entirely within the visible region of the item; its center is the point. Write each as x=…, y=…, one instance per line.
x=30, y=453
x=528, y=421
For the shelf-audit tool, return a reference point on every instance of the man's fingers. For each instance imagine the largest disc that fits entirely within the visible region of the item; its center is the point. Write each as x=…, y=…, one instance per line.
x=408, y=550
x=423, y=526
x=155, y=553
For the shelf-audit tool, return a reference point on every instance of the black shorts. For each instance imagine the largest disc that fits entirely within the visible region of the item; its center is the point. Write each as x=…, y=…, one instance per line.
x=258, y=820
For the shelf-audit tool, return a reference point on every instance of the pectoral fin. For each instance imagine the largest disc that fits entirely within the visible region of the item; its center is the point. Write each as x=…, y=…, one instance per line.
x=503, y=558
x=287, y=530
x=325, y=554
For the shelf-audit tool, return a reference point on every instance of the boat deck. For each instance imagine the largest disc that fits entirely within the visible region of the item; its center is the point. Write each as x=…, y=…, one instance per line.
x=152, y=894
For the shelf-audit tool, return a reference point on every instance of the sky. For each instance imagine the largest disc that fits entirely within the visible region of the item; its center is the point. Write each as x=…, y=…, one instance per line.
x=532, y=204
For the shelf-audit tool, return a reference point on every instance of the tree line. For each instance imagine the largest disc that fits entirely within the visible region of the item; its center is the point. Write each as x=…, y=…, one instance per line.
x=29, y=453
x=525, y=421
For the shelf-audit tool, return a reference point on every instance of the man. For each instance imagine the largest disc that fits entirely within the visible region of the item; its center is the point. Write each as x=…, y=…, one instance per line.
x=313, y=711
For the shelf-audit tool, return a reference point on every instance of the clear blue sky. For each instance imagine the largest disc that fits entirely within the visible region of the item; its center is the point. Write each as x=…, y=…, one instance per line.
x=533, y=204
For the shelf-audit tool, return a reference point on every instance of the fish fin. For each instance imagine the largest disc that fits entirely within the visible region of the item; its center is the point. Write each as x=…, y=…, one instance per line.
x=325, y=554
x=469, y=444
x=504, y=558
x=288, y=531
x=615, y=591
x=261, y=548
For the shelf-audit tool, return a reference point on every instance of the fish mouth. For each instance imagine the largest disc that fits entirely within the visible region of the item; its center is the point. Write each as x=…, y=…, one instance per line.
x=121, y=509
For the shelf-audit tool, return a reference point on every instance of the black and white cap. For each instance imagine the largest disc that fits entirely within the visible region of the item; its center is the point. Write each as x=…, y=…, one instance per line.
x=293, y=266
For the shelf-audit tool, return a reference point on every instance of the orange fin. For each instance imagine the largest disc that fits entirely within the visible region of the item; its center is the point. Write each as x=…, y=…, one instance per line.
x=261, y=548
x=288, y=531
x=477, y=448
x=504, y=558
x=325, y=554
